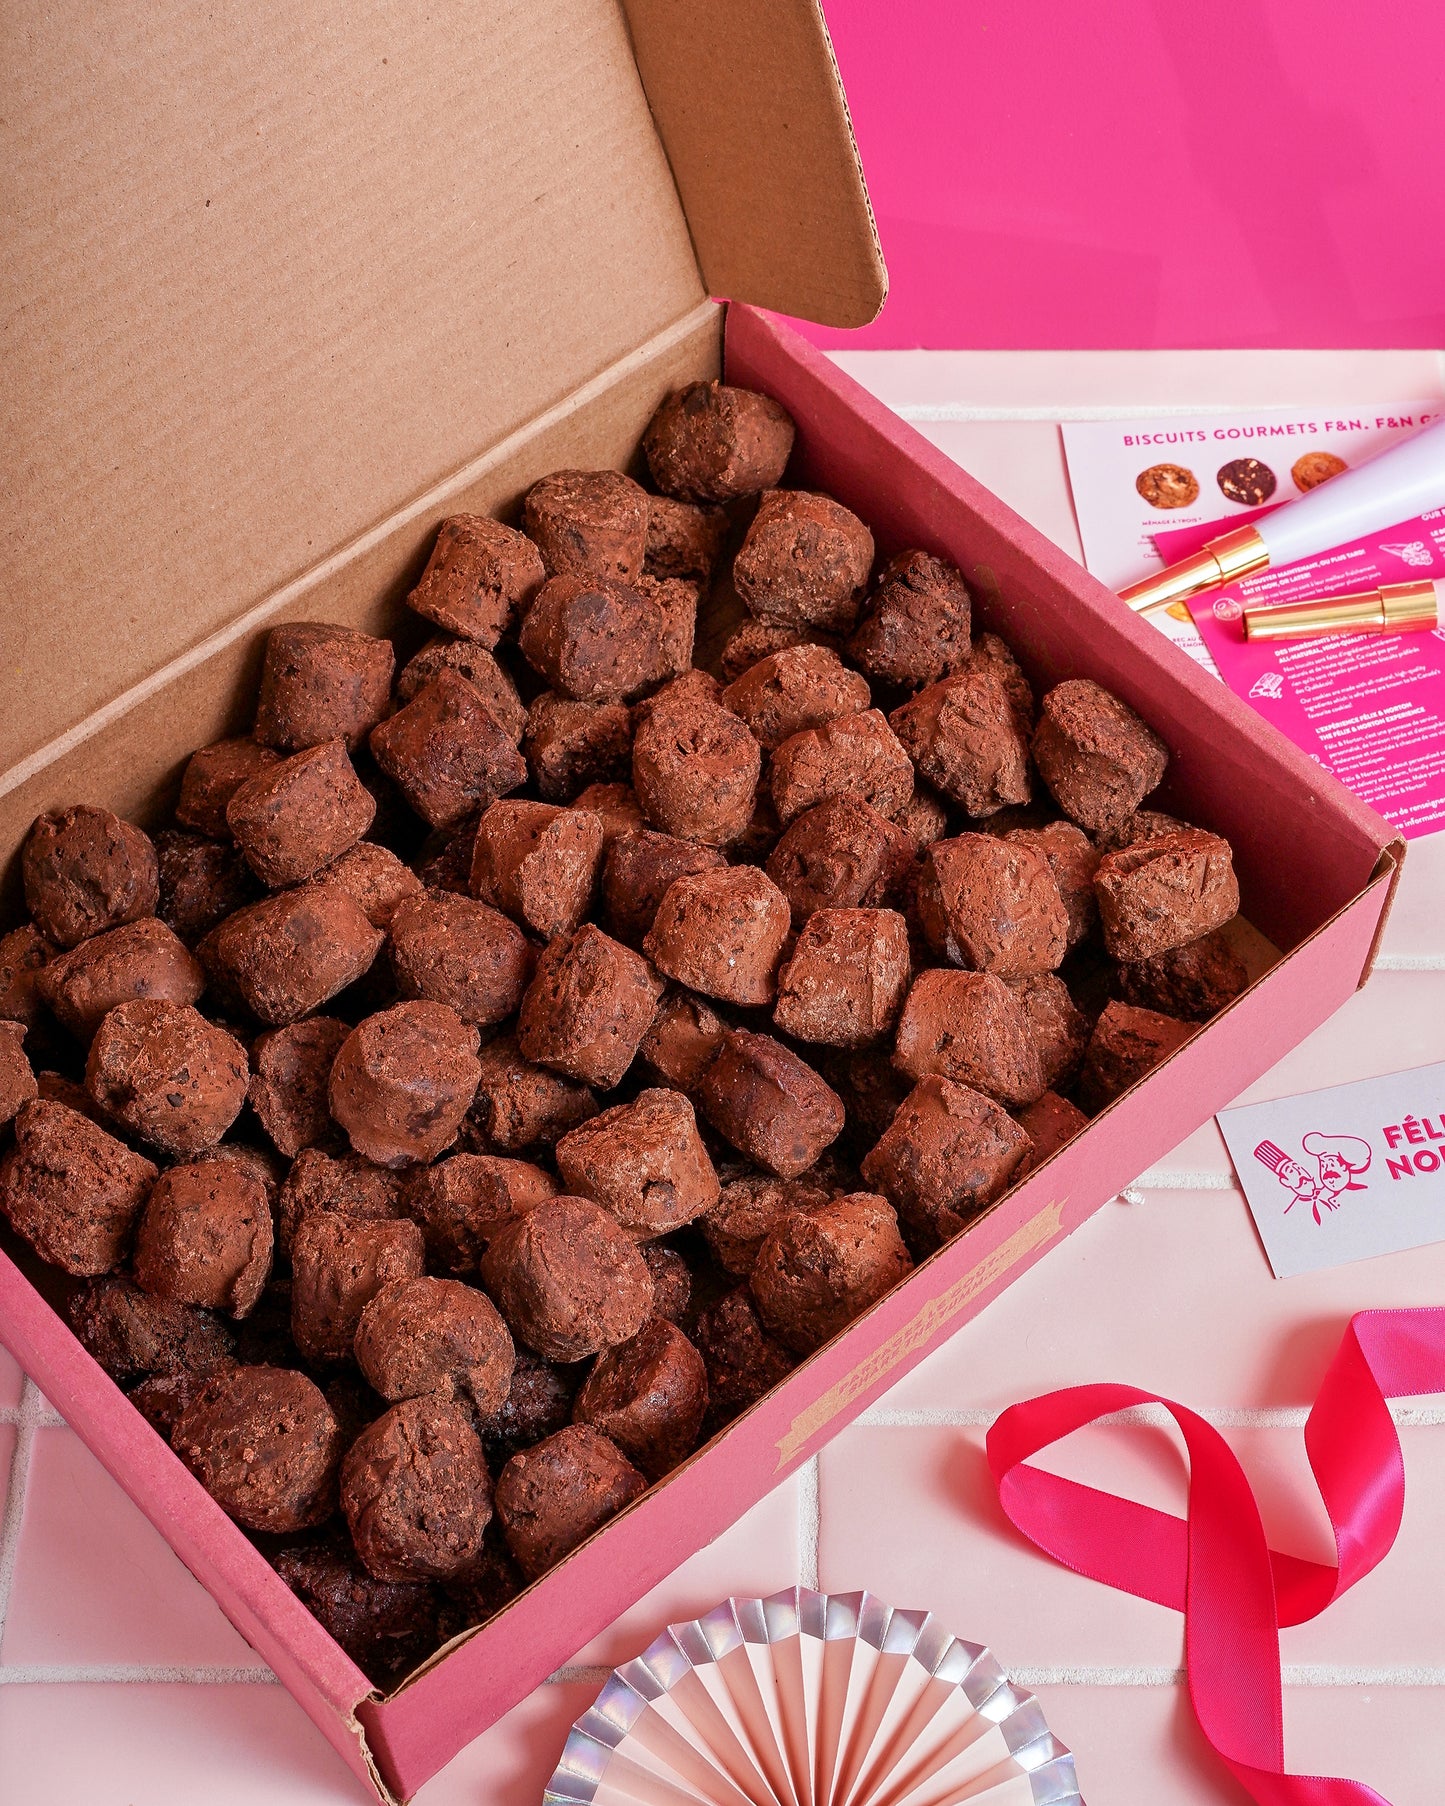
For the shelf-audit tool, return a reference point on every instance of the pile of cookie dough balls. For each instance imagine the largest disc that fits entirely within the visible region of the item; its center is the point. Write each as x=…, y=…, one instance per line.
x=510, y=1062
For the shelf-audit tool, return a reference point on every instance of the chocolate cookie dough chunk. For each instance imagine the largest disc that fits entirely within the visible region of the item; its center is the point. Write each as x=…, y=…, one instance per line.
x=1143, y=824
x=1167, y=486
x=676, y=599
x=420, y=1336
x=375, y=878
x=569, y=745
x=166, y=1074
x=695, y=771
x=641, y=866
x=538, y=1404
x=748, y=1211
x=538, y=863
x=618, y=807
x=1127, y=1043
x=1058, y=1028
x=820, y=1267
x=743, y=1361
x=479, y=577
x=681, y=1041
x=966, y=736
x=447, y=753
x=320, y=682
x=212, y=777
x=644, y=1162
x=519, y=1105
x=1073, y=859
x=1051, y=1122
x=467, y=660
x=1163, y=893
x=569, y=1280
x=1315, y=468
x=804, y=561
x=343, y=1185
x=552, y=1497
x=588, y=1007
x=1194, y=981
x=945, y=1157
x=1246, y=480
x=131, y=1333
x=971, y=1028
x=842, y=855
x=1095, y=754
x=416, y=1491
x=683, y=539
x=143, y=959
x=857, y=756
x=753, y=640
x=721, y=932
x=23, y=954
x=403, y=1081
x=795, y=689
x=671, y=1281
x=338, y=1265
x=86, y=870
x=769, y=1104
x=299, y=814
x=991, y=906
x=711, y=442
x=201, y=882
x=916, y=626
x=288, y=1087
x=463, y=1201
x=464, y=954
x=71, y=1190
x=595, y=641
x=844, y=983
x=288, y=955
x=205, y=1237
x=386, y=1627
x=588, y=523
x=649, y=1397
x=17, y=1081
x=265, y=1445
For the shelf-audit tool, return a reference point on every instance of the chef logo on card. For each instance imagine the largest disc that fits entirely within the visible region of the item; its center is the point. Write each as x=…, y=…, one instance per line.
x=1330, y=1167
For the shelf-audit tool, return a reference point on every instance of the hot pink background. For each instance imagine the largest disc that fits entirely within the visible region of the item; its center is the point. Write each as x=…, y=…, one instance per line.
x=1150, y=172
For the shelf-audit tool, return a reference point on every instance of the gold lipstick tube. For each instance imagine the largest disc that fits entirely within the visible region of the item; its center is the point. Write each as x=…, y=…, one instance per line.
x=1226, y=559
x=1393, y=608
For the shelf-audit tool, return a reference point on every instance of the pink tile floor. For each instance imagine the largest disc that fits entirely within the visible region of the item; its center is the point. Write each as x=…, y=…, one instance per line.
x=121, y=1682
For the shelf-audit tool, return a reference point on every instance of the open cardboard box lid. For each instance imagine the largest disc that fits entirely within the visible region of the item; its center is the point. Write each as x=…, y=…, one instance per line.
x=276, y=270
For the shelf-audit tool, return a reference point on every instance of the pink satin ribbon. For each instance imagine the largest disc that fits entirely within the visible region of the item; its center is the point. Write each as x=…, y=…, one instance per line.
x=1216, y=1567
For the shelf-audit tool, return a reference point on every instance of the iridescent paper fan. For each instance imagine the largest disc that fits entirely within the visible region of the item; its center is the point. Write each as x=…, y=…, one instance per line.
x=812, y=1699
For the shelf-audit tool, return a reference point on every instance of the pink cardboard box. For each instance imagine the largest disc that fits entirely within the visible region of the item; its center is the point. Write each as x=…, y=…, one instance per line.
x=1316, y=868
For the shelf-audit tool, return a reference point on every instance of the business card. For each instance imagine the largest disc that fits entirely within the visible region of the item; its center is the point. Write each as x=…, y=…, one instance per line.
x=1344, y=1174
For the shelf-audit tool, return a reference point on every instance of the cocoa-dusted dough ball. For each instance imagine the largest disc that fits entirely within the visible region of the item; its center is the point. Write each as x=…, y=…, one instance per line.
x=86, y=870
x=167, y=1075
x=743, y=1361
x=752, y=640
x=640, y=867
x=644, y=1162
x=24, y=952
x=947, y=1154
x=916, y=625
x=712, y=442
x=857, y=756
x=375, y=878
x=537, y=1406
x=722, y=932
x=201, y=881
x=299, y=814
x=288, y=1089
x=1193, y=981
x=568, y=1279
x=569, y=745
x=519, y=1105
x=970, y=1027
x=552, y=1497
x=129, y=1332
x=265, y=1445
x=289, y=954
x=212, y=777
x=338, y=1265
x=466, y=659
x=479, y=577
x=463, y=1201
x=403, y=1081
x=676, y=599
x=447, y=753
x=796, y=688
x=464, y=954
x=1057, y=1026
x=695, y=770
x=992, y=906
x=924, y=817
x=17, y=1081
x=842, y=855
x=588, y=523
x=1163, y=893
x=1126, y=1045
x=386, y=1627
x=1051, y=1121
x=804, y=561
x=344, y=1184
x=1073, y=859
x=71, y=1190
x=618, y=807
x=683, y=539
x=588, y=1007
x=593, y=640
x=749, y=1210
x=844, y=983
x=321, y=681
x=681, y=1040
x=871, y=1088
x=1095, y=754
x=822, y=1265
x=416, y=1491
x=649, y=1396
x=205, y=1237
x=769, y=1104
x=419, y=1336
x=142, y=959
x=671, y=1281
x=538, y=863
x=966, y=737
x=1143, y=824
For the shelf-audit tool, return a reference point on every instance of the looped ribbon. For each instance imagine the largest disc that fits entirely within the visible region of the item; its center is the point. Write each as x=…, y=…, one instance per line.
x=1217, y=1566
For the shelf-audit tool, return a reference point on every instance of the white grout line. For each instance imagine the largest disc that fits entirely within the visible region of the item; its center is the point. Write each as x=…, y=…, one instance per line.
x=131, y=1674
x=29, y=1415
x=810, y=1524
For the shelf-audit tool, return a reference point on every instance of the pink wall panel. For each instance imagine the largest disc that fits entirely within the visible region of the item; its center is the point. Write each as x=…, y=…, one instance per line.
x=1149, y=173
